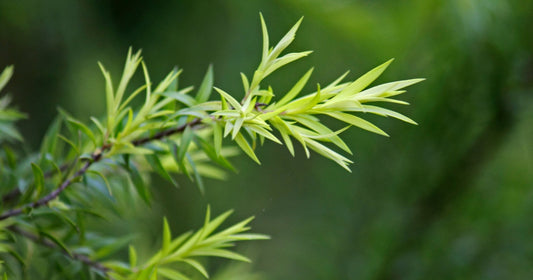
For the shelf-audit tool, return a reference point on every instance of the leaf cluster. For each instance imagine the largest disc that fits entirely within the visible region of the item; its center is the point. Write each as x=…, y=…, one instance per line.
x=88, y=171
x=185, y=249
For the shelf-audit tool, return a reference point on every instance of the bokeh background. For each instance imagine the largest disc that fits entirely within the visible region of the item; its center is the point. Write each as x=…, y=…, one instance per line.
x=451, y=198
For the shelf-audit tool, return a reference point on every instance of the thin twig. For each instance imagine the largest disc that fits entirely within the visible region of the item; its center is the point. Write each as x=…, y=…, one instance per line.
x=49, y=197
x=162, y=134
x=95, y=157
x=49, y=244
x=10, y=196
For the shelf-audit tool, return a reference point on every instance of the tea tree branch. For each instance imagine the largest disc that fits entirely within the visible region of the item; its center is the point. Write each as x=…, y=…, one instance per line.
x=95, y=157
x=194, y=128
x=51, y=245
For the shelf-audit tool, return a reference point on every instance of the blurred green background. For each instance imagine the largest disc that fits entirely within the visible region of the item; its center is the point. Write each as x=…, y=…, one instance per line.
x=449, y=199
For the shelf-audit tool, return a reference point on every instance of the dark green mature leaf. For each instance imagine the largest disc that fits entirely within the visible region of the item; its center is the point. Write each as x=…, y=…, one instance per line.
x=112, y=247
x=11, y=157
x=197, y=175
x=70, y=143
x=138, y=183
x=38, y=178
x=9, y=130
x=83, y=128
x=102, y=176
x=57, y=241
x=185, y=141
x=175, y=82
x=10, y=115
x=210, y=151
x=49, y=142
x=173, y=147
x=17, y=256
x=155, y=163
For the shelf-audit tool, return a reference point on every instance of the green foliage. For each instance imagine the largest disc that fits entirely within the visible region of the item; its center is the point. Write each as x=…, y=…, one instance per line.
x=85, y=172
x=8, y=115
x=185, y=249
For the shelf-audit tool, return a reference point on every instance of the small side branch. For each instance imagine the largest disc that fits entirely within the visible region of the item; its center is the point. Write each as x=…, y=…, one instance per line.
x=49, y=244
x=96, y=156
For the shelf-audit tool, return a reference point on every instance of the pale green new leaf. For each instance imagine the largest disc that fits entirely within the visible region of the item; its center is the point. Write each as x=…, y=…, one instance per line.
x=99, y=126
x=217, y=137
x=148, y=86
x=265, y=40
x=245, y=82
x=285, y=41
x=385, y=112
x=110, y=98
x=6, y=75
x=236, y=127
x=284, y=130
x=321, y=130
x=167, y=235
x=356, y=121
x=388, y=87
x=171, y=274
x=206, y=87
x=198, y=266
x=295, y=89
x=328, y=153
x=220, y=253
x=132, y=257
x=169, y=82
x=263, y=132
x=363, y=81
x=232, y=101
x=284, y=60
x=241, y=141
x=130, y=67
x=181, y=96
x=211, y=225
x=335, y=83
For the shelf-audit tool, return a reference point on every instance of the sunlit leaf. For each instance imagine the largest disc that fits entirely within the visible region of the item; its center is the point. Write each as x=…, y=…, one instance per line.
x=171, y=274
x=356, y=121
x=133, y=256
x=241, y=141
x=206, y=86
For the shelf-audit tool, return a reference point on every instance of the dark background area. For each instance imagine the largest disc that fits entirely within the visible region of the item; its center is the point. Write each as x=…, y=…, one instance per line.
x=451, y=198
